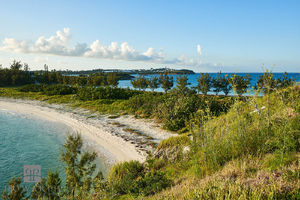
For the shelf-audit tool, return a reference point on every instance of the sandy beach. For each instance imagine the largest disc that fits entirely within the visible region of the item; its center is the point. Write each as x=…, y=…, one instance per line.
x=108, y=135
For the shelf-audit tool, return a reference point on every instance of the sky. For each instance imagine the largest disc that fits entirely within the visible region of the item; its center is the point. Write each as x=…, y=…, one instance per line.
x=201, y=35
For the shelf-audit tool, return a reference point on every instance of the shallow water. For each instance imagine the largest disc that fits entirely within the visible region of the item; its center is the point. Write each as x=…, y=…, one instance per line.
x=28, y=140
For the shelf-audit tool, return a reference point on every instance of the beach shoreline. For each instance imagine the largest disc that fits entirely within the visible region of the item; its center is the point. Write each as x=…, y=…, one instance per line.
x=109, y=141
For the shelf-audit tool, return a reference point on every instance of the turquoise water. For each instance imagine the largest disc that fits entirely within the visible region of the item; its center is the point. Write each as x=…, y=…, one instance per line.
x=25, y=140
x=28, y=140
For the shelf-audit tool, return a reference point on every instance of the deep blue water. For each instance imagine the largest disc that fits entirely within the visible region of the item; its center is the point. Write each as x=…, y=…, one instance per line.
x=192, y=79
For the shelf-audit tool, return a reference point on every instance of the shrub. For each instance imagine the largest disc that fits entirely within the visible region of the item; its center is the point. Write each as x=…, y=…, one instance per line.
x=132, y=178
x=153, y=182
x=175, y=110
x=123, y=176
x=144, y=104
x=31, y=88
x=49, y=90
x=181, y=140
x=94, y=93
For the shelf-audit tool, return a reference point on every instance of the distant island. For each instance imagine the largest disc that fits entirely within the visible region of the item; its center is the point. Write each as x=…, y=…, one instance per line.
x=128, y=74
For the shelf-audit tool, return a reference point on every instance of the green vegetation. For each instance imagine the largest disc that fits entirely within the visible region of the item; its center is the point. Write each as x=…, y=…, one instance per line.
x=19, y=74
x=267, y=84
x=240, y=84
x=16, y=191
x=140, y=82
x=252, y=152
x=166, y=82
x=204, y=83
x=153, y=83
x=15, y=75
x=135, y=178
x=128, y=178
x=227, y=148
x=49, y=187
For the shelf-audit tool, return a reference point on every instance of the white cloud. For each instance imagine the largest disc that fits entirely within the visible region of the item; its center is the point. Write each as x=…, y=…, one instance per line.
x=199, y=49
x=14, y=45
x=59, y=44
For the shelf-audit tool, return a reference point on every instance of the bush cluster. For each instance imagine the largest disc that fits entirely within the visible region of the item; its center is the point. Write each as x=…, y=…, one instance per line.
x=94, y=93
x=134, y=178
x=49, y=90
x=174, y=110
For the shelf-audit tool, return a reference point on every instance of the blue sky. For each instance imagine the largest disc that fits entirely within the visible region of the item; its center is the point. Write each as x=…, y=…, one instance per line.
x=232, y=36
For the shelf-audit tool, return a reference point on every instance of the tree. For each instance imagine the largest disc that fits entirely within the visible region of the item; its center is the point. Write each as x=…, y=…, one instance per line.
x=266, y=82
x=181, y=84
x=79, y=166
x=204, y=83
x=240, y=83
x=217, y=83
x=284, y=81
x=112, y=79
x=17, y=192
x=26, y=67
x=49, y=188
x=225, y=84
x=140, y=82
x=99, y=185
x=46, y=68
x=134, y=83
x=166, y=81
x=153, y=83
x=16, y=66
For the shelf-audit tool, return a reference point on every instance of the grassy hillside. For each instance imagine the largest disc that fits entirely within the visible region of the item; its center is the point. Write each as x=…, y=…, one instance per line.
x=229, y=148
x=252, y=152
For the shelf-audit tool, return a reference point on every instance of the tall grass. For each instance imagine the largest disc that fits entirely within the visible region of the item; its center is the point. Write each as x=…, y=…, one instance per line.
x=272, y=127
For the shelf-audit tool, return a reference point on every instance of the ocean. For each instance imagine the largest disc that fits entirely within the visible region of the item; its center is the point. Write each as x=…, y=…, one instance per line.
x=30, y=140
x=192, y=79
x=26, y=140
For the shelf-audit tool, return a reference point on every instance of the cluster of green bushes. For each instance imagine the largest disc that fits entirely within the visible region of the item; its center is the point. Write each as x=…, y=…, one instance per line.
x=94, y=93
x=165, y=81
x=217, y=84
x=49, y=90
x=18, y=74
x=136, y=179
x=176, y=111
x=96, y=79
x=267, y=83
x=84, y=93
